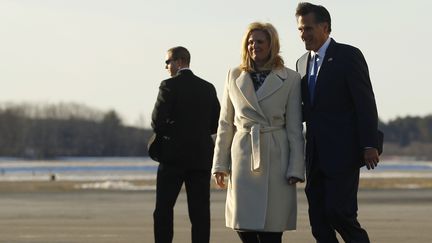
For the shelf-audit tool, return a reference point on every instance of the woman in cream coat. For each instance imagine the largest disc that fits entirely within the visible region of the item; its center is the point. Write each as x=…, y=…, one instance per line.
x=259, y=144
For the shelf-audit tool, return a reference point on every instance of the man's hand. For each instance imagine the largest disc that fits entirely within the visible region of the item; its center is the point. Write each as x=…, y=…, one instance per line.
x=220, y=179
x=371, y=158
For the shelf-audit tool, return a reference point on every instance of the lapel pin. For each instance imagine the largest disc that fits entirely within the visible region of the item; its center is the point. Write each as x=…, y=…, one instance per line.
x=330, y=59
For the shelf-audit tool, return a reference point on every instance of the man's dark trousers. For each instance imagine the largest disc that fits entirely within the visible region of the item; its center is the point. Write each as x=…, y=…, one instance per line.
x=332, y=199
x=169, y=182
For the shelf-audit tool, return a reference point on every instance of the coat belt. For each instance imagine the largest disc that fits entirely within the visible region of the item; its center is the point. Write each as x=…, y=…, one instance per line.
x=255, y=132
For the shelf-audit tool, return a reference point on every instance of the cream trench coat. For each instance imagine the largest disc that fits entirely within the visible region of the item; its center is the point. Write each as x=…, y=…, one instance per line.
x=260, y=144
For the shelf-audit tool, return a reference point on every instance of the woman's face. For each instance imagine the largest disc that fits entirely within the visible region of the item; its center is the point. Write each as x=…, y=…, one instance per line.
x=259, y=46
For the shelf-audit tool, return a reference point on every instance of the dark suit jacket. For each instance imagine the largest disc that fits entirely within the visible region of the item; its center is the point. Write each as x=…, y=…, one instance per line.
x=187, y=111
x=343, y=119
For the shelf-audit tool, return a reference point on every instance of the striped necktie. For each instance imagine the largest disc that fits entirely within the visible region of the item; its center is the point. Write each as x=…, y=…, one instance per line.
x=312, y=78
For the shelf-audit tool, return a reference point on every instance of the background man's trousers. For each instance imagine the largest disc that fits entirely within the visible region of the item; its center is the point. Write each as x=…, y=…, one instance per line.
x=168, y=185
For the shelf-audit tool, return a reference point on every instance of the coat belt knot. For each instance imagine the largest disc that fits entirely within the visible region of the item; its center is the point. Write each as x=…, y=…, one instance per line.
x=255, y=131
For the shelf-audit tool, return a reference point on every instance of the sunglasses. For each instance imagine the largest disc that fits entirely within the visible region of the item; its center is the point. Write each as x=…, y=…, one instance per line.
x=168, y=61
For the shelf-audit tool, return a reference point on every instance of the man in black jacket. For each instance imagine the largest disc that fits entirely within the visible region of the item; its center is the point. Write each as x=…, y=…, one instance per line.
x=186, y=113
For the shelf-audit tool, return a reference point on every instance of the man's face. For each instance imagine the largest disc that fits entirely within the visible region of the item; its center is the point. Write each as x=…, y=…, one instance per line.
x=171, y=65
x=312, y=34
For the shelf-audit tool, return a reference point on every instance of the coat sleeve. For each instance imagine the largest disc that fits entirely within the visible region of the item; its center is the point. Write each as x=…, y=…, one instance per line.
x=294, y=128
x=225, y=133
x=162, y=112
x=360, y=87
x=215, y=112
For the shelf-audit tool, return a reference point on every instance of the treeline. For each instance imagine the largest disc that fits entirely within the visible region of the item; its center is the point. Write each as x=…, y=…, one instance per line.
x=68, y=129
x=408, y=136
x=49, y=131
x=405, y=131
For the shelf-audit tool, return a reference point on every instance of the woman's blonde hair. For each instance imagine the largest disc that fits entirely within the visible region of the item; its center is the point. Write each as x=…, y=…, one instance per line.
x=275, y=61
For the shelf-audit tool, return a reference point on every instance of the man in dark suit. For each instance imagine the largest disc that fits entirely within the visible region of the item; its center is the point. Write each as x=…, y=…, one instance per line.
x=341, y=119
x=186, y=113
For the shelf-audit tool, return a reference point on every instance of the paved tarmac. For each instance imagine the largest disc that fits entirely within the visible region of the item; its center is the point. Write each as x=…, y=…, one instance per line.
x=96, y=216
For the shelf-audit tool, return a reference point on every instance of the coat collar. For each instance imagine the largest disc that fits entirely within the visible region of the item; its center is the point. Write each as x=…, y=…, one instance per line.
x=303, y=64
x=272, y=83
x=183, y=71
x=303, y=61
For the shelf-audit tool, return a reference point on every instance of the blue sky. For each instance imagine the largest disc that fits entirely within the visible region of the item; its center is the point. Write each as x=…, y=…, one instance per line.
x=110, y=54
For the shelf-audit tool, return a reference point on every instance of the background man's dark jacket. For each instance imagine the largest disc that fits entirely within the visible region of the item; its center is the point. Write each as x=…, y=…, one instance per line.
x=187, y=111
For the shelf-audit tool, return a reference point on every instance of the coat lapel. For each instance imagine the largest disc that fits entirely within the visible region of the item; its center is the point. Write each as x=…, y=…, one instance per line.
x=302, y=65
x=325, y=66
x=245, y=85
x=272, y=83
x=302, y=68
